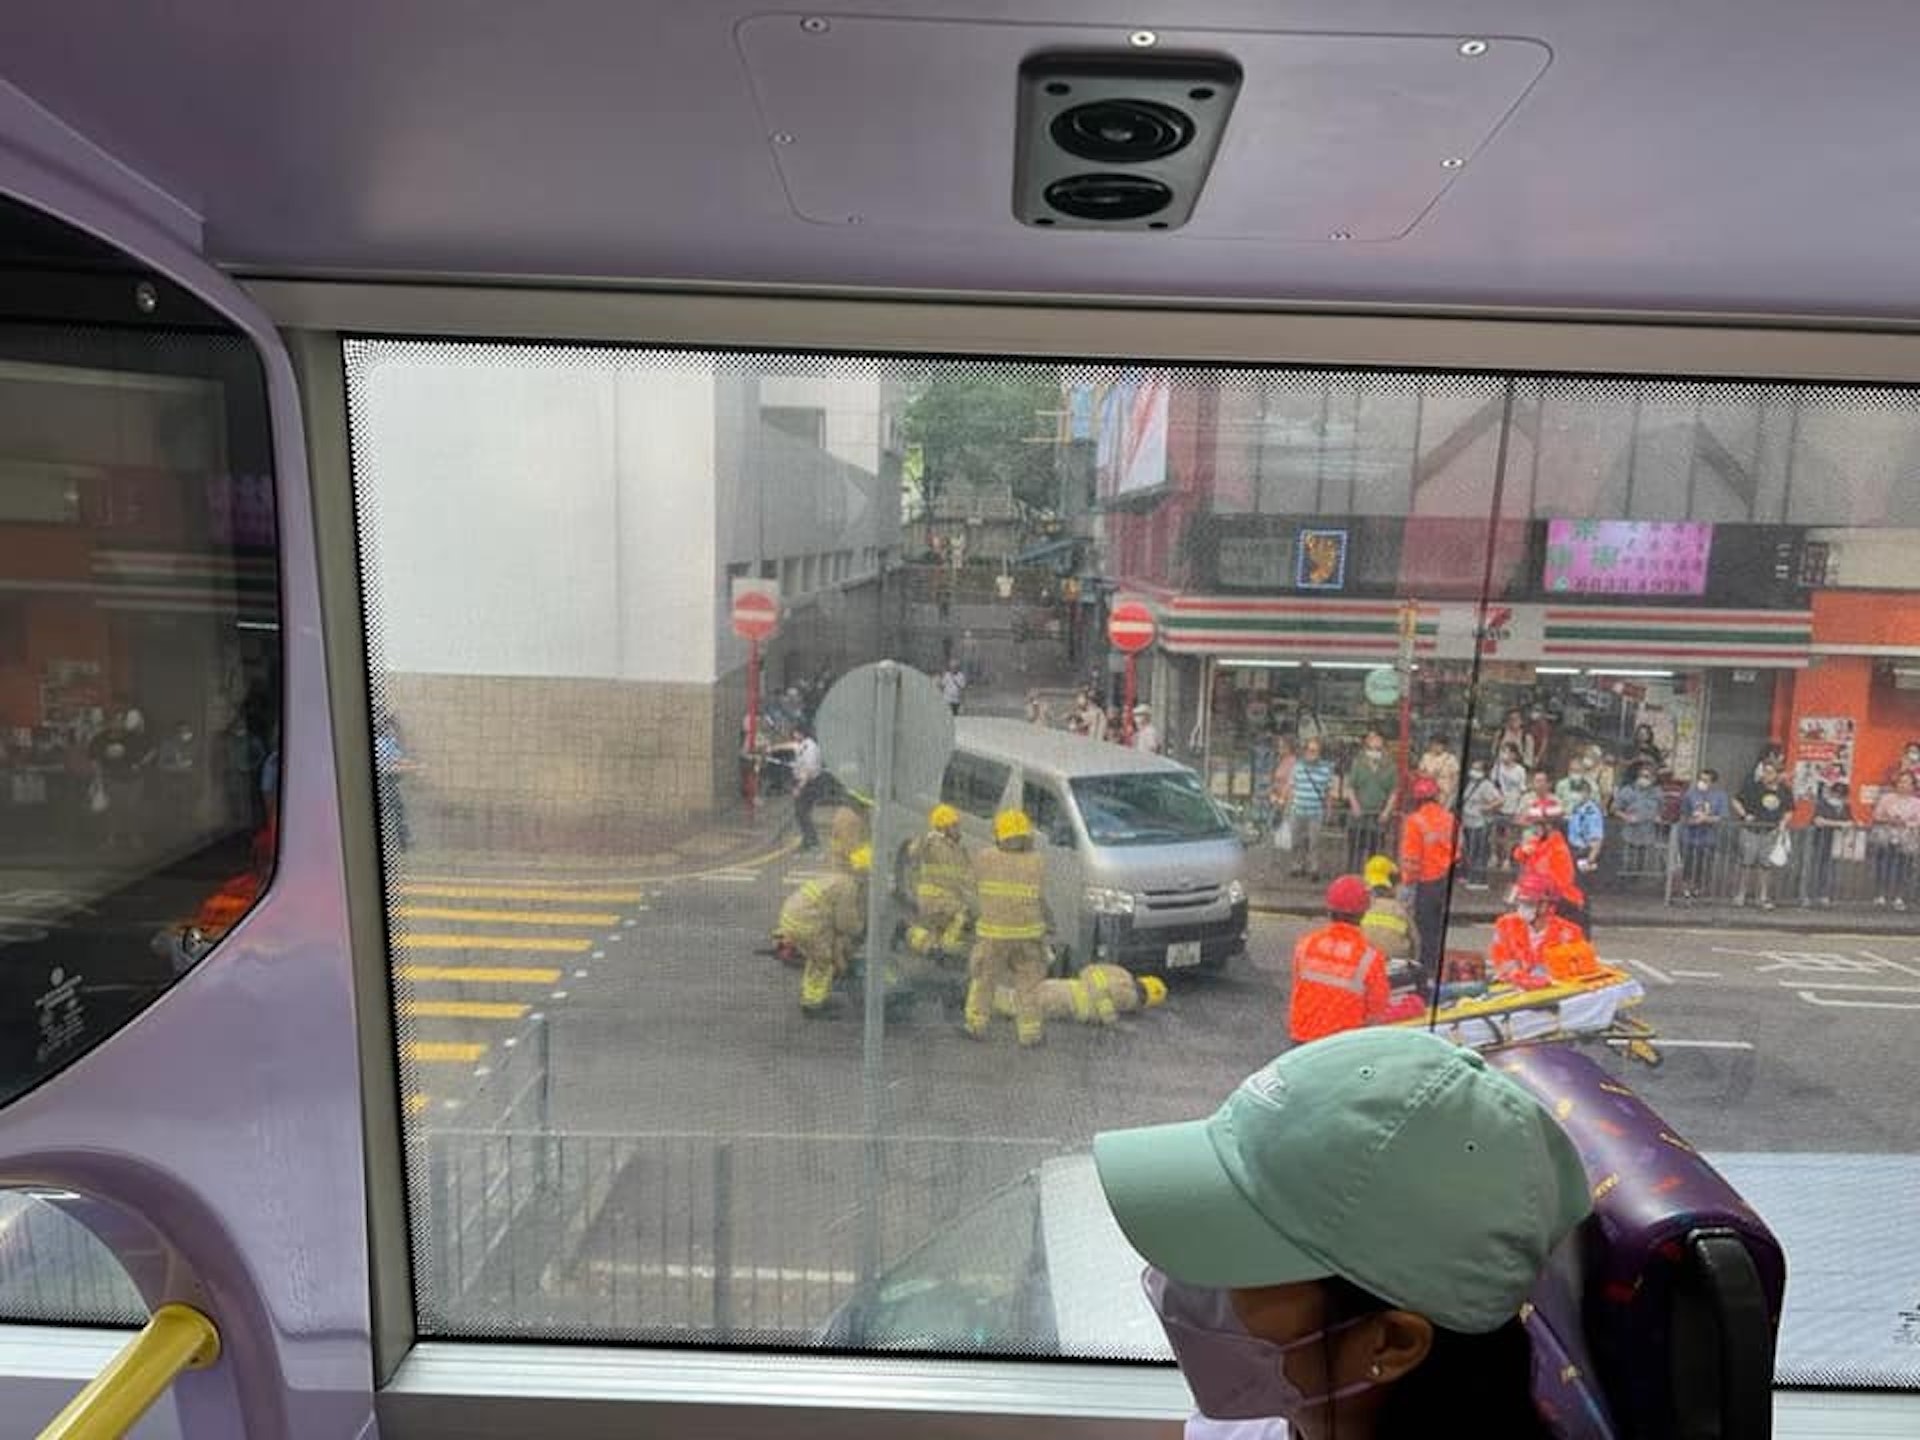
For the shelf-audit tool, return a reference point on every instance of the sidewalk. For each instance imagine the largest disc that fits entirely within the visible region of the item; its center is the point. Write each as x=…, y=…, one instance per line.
x=1635, y=904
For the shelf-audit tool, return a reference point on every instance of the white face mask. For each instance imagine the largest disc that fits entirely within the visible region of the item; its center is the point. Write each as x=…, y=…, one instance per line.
x=1528, y=913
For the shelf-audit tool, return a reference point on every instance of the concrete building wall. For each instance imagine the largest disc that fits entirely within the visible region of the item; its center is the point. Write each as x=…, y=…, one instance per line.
x=550, y=541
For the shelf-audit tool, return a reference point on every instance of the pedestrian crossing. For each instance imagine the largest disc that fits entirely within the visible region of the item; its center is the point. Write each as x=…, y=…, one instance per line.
x=479, y=964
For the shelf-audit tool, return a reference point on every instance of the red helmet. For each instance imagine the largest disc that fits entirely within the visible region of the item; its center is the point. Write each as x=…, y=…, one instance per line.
x=1425, y=787
x=1537, y=887
x=1348, y=895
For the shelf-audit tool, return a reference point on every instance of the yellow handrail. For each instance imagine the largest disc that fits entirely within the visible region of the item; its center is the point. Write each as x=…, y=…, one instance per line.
x=177, y=1338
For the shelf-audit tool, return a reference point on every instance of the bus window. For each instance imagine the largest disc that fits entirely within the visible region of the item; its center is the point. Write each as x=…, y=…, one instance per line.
x=1645, y=640
x=139, y=657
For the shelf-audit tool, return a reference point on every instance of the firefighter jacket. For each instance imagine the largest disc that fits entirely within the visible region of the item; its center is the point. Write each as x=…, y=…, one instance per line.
x=1388, y=925
x=1008, y=883
x=826, y=915
x=1428, y=843
x=942, y=878
x=1339, y=982
x=1553, y=857
x=1558, y=952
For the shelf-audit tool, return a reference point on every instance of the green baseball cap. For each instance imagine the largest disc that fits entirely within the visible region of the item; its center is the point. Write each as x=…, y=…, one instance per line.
x=1389, y=1157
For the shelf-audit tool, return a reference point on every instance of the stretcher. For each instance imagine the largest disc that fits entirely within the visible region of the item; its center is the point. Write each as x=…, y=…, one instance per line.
x=1593, y=1007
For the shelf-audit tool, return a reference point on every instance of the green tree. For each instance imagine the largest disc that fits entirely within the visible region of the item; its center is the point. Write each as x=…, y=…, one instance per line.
x=984, y=426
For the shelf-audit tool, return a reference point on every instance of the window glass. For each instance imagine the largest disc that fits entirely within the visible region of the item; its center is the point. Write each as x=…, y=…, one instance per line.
x=139, y=673
x=53, y=1270
x=975, y=784
x=1146, y=809
x=669, y=1076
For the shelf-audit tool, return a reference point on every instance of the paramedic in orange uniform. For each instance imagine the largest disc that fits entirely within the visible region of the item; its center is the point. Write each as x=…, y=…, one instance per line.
x=1339, y=976
x=1429, y=843
x=1545, y=851
x=1532, y=945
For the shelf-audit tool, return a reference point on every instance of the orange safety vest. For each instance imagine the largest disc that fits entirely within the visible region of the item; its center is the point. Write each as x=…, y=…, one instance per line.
x=1339, y=983
x=1553, y=857
x=1427, y=844
x=1518, y=951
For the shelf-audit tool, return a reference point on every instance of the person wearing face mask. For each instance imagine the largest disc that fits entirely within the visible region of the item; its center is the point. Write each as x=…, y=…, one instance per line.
x=1481, y=804
x=1373, y=788
x=1637, y=806
x=1545, y=852
x=1533, y=946
x=1319, y=1253
x=1703, y=816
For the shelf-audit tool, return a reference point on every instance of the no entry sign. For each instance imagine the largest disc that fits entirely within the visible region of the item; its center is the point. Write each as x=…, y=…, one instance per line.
x=756, y=614
x=1130, y=627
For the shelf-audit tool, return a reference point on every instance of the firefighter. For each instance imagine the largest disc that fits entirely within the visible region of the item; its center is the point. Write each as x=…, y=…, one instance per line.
x=823, y=920
x=848, y=831
x=1098, y=995
x=1429, y=844
x=942, y=886
x=1010, y=930
x=1535, y=946
x=1339, y=976
x=1386, y=922
x=1544, y=851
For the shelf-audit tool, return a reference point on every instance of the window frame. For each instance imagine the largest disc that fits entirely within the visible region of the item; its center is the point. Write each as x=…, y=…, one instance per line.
x=464, y=1387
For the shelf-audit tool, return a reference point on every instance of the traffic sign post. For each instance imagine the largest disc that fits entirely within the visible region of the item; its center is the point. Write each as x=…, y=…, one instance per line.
x=1130, y=628
x=756, y=617
x=886, y=735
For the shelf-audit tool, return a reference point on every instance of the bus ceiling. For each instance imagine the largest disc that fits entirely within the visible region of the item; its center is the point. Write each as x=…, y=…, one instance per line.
x=1734, y=160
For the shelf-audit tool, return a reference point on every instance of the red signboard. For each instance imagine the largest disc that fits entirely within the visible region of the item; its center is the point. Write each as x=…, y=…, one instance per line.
x=1130, y=627
x=756, y=615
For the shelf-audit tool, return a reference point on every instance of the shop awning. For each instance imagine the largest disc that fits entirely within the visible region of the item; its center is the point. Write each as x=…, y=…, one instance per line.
x=1230, y=627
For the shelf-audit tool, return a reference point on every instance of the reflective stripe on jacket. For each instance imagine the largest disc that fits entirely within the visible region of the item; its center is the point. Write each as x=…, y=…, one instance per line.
x=1427, y=842
x=1008, y=883
x=942, y=877
x=1339, y=982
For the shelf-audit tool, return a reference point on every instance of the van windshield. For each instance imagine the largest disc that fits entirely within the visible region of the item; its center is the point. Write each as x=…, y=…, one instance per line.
x=1146, y=809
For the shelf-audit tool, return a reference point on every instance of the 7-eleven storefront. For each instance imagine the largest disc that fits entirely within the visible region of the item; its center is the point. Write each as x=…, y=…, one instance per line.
x=1237, y=671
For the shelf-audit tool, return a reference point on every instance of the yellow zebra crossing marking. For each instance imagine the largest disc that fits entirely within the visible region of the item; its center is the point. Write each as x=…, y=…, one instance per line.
x=509, y=917
x=464, y=1009
x=444, y=1052
x=417, y=1101
x=495, y=942
x=481, y=974
x=418, y=890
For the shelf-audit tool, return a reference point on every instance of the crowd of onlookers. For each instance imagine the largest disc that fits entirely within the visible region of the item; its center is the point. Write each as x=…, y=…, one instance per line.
x=1629, y=818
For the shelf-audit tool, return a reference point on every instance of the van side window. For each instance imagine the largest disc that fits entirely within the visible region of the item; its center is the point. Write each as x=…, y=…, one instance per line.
x=1048, y=815
x=974, y=784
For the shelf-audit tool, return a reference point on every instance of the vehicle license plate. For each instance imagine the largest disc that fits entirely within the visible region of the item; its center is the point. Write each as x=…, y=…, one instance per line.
x=1183, y=955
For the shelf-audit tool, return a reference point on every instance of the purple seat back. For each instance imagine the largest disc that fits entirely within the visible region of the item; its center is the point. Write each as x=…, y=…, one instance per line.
x=1648, y=1283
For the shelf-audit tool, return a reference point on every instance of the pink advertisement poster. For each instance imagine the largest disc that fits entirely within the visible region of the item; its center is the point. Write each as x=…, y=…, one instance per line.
x=1627, y=557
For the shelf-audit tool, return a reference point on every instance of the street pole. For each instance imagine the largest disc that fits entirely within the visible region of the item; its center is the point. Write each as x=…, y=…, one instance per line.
x=753, y=725
x=1126, y=705
x=1409, y=627
x=886, y=716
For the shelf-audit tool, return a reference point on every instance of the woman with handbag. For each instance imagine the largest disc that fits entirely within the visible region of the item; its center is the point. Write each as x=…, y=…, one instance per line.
x=1893, y=840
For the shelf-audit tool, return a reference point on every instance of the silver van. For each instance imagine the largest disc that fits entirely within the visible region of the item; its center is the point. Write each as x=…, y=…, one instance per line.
x=1142, y=867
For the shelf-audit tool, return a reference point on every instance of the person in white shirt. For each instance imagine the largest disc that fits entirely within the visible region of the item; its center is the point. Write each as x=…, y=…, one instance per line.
x=953, y=685
x=806, y=786
x=1146, y=735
